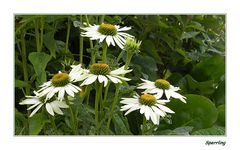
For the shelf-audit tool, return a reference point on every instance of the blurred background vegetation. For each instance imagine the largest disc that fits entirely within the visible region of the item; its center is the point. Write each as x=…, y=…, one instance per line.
x=187, y=50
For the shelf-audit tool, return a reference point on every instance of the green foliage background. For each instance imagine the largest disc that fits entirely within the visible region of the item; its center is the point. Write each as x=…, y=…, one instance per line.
x=187, y=50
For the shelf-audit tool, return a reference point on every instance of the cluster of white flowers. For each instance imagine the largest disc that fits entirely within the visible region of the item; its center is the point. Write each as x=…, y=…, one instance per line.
x=151, y=102
x=53, y=93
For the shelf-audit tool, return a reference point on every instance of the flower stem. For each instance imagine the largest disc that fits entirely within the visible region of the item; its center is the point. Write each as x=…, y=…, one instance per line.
x=74, y=128
x=104, y=55
x=68, y=33
x=24, y=60
x=97, y=97
x=101, y=19
x=106, y=93
x=115, y=101
x=93, y=57
x=120, y=55
x=128, y=60
x=36, y=25
x=41, y=33
x=81, y=44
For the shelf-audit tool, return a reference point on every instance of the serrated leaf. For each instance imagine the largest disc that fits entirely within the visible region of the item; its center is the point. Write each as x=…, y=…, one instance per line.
x=39, y=61
x=37, y=122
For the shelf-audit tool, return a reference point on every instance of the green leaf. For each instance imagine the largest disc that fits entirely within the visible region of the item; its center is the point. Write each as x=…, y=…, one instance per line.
x=215, y=130
x=148, y=66
x=36, y=123
x=210, y=68
x=50, y=43
x=189, y=85
x=20, y=123
x=221, y=115
x=120, y=125
x=219, y=94
x=188, y=35
x=21, y=84
x=178, y=131
x=149, y=48
x=198, y=112
x=39, y=61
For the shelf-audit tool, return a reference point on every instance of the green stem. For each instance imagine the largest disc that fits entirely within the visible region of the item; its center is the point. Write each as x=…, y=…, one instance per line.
x=115, y=101
x=104, y=55
x=37, y=35
x=88, y=90
x=74, y=127
x=96, y=107
x=42, y=29
x=68, y=33
x=120, y=55
x=128, y=60
x=101, y=101
x=81, y=44
x=102, y=19
x=24, y=61
x=106, y=93
x=144, y=125
x=93, y=57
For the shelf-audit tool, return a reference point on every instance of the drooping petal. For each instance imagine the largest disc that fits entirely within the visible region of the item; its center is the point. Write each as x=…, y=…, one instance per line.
x=89, y=80
x=158, y=111
x=153, y=116
x=129, y=101
x=29, y=101
x=49, y=109
x=178, y=96
x=61, y=94
x=164, y=108
x=35, y=110
x=147, y=112
x=69, y=91
x=114, y=80
x=135, y=107
x=55, y=108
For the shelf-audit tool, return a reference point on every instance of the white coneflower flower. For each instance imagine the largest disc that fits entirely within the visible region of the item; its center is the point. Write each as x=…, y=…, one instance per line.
x=149, y=105
x=112, y=33
x=60, y=83
x=161, y=86
x=37, y=102
x=103, y=73
x=78, y=73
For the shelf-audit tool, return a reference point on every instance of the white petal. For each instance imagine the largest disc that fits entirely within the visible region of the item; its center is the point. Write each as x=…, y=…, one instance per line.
x=69, y=91
x=122, y=78
x=29, y=101
x=89, y=80
x=35, y=110
x=120, y=71
x=164, y=108
x=55, y=108
x=52, y=92
x=178, y=96
x=158, y=111
x=61, y=94
x=61, y=104
x=49, y=109
x=129, y=101
x=132, y=109
x=36, y=104
x=168, y=94
x=118, y=42
x=124, y=29
x=72, y=88
x=147, y=112
x=104, y=79
x=128, y=106
x=142, y=110
x=153, y=116
x=114, y=80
